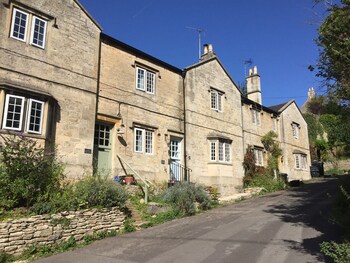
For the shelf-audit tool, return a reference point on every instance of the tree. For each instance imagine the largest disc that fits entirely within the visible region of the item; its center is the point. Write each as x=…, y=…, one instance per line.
x=334, y=58
x=273, y=150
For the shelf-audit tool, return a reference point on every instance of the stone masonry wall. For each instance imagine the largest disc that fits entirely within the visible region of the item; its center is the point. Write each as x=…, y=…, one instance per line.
x=16, y=235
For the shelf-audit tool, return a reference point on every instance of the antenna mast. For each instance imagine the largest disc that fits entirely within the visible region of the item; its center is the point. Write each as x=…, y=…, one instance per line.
x=199, y=31
x=248, y=62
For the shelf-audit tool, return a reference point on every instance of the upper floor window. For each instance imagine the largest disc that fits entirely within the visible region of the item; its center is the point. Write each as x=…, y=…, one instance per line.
x=255, y=117
x=295, y=128
x=220, y=150
x=216, y=100
x=145, y=80
x=15, y=114
x=300, y=161
x=258, y=156
x=20, y=28
x=143, y=141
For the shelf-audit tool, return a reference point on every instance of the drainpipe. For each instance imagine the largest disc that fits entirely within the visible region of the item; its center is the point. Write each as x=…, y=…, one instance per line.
x=185, y=134
x=98, y=75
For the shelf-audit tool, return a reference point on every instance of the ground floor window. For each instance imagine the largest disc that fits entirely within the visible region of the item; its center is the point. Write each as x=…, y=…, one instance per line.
x=23, y=114
x=220, y=150
x=300, y=161
x=143, y=140
x=258, y=156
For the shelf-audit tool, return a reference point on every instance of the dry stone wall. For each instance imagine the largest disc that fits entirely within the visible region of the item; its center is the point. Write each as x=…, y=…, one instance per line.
x=16, y=235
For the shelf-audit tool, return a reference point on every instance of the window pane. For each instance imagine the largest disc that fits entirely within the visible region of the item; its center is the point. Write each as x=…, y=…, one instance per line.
x=213, y=100
x=149, y=142
x=221, y=151
x=39, y=30
x=212, y=151
x=150, y=82
x=13, y=112
x=219, y=96
x=227, y=152
x=138, y=140
x=19, y=25
x=140, y=79
x=102, y=135
x=35, y=115
x=297, y=161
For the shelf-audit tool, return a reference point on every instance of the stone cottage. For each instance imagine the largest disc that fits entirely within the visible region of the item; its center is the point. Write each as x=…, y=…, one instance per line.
x=100, y=101
x=48, y=76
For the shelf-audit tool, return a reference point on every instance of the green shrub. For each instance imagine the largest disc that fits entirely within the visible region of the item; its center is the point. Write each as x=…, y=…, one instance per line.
x=184, y=196
x=267, y=182
x=129, y=226
x=339, y=253
x=27, y=173
x=102, y=192
x=4, y=257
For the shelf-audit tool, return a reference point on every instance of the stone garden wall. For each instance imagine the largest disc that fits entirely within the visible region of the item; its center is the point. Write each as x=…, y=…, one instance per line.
x=16, y=235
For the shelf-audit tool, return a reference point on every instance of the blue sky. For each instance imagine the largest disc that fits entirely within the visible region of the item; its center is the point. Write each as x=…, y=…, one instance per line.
x=278, y=35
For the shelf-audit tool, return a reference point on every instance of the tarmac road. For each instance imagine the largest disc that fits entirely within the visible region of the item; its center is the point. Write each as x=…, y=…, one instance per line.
x=286, y=226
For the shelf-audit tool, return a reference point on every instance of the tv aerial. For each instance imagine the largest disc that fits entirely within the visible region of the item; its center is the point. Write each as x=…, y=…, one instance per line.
x=199, y=31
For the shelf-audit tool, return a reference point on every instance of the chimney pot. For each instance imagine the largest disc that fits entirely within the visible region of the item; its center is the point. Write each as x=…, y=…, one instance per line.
x=250, y=72
x=255, y=70
x=210, y=48
x=206, y=49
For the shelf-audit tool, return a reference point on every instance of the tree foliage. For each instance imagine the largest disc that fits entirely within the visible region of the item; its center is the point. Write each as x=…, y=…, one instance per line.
x=334, y=58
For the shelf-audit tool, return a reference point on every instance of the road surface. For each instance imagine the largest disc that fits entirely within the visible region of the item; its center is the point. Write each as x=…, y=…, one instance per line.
x=286, y=226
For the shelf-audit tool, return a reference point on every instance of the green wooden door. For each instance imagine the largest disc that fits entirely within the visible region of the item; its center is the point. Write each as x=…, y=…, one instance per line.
x=103, y=148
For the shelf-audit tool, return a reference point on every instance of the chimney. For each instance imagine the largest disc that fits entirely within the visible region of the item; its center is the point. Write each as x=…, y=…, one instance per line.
x=311, y=94
x=253, y=85
x=207, y=51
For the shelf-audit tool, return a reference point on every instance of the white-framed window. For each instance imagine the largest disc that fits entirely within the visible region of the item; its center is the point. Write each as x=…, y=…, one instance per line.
x=212, y=151
x=220, y=150
x=255, y=116
x=145, y=80
x=295, y=129
x=35, y=116
x=38, y=34
x=216, y=100
x=15, y=114
x=143, y=141
x=20, y=28
x=300, y=161
x=258, y=157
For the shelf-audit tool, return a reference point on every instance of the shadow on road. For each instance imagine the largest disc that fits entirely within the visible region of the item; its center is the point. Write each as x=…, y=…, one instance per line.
x=312, y=207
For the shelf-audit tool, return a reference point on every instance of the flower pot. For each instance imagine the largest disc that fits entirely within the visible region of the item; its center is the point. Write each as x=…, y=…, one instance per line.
x=129, y=180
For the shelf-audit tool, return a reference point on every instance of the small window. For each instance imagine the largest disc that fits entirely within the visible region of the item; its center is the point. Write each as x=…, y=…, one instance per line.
x=220, y=149
x=13, y=116
x=143, y=141
x=258, y=156
x=38, y=32
x=295, y=128
x=35, y=116
x=216, y=100
x=19, y=25
x=255, y=117
x=145, y=80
